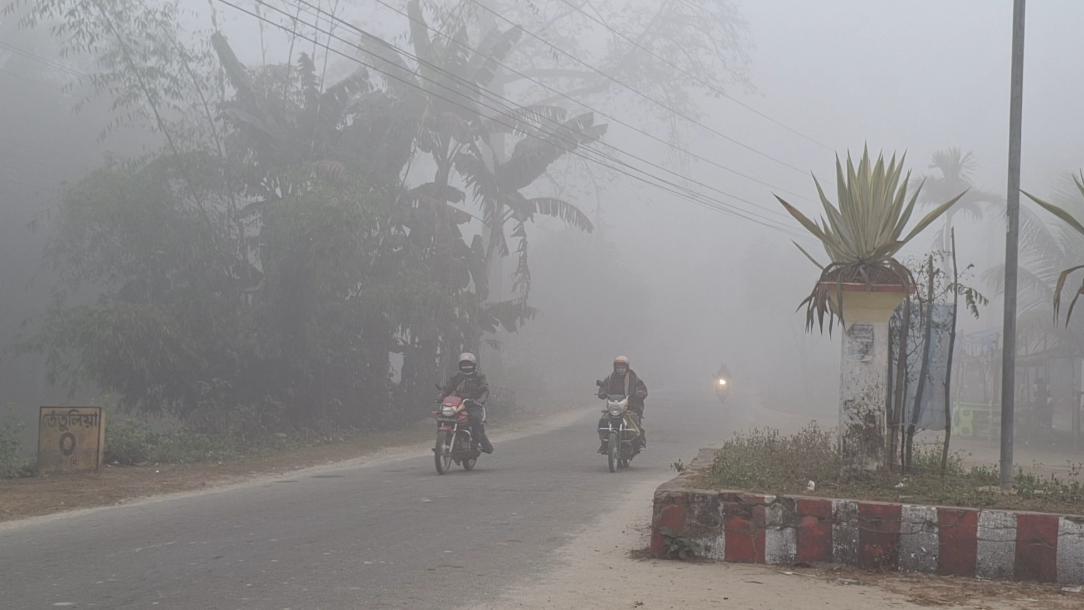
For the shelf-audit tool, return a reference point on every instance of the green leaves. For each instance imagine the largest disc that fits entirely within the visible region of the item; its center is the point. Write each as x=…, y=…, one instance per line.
x=863, y=233
x=873, y=212
x=678, y=546
x=1068, y=219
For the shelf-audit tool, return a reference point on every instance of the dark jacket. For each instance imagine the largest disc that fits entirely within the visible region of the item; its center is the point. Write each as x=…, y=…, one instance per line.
x=468, y=387
x=613, y=384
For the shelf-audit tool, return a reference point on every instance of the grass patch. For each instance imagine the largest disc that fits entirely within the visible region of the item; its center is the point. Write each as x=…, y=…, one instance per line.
x=765, y=461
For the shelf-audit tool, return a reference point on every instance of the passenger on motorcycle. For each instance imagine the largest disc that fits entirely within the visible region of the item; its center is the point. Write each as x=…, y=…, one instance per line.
x=623, y=381
x=471, y=385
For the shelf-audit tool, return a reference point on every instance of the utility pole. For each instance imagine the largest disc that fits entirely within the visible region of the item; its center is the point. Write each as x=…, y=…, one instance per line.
x=1012, y=246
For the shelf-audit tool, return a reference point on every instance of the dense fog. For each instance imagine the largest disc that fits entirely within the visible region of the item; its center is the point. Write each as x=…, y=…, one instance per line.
x=179, y=238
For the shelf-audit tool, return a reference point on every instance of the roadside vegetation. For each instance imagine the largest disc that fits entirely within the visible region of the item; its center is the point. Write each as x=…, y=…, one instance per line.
x=765, y=461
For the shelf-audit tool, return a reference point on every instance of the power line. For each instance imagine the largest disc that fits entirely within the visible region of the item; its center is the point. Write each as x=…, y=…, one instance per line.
x=711, y=87
x=23, y=170
x=27, y=78
x=28, y=185
x=716, y=204
x=698, y=198
x=577, y=102
x=47, y=151
x=542, y=116
x=42, y=60
x=635, y=91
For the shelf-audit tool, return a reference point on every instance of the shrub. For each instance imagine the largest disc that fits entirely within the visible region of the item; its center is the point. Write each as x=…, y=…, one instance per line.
x=13, y=462
x=129, y=442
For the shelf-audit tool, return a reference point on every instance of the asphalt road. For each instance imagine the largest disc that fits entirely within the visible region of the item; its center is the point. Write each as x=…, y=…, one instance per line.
x=388, y=535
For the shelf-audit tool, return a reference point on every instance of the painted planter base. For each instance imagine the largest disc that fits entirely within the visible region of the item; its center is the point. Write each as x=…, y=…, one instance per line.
x=741, y=527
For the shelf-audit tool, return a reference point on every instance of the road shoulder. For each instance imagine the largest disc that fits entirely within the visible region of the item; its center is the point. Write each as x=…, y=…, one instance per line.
x=602, y=568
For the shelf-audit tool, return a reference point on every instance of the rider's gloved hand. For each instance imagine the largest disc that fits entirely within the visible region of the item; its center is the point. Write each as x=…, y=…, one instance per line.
x=641, y=394
x=602, y=395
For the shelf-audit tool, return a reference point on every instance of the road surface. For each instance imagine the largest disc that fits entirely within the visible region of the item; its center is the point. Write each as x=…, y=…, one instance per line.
x=388, y=535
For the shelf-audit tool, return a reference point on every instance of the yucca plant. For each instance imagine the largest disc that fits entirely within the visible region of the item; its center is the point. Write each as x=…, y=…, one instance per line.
x=863, y=234
x=1079, y=228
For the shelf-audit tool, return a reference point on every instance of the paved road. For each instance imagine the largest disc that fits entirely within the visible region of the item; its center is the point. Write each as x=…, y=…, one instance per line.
x=389, y=535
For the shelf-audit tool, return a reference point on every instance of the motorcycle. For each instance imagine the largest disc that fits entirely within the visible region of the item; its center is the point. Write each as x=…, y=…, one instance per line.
x=455, y=443
x=722, y=389
x=620, y=431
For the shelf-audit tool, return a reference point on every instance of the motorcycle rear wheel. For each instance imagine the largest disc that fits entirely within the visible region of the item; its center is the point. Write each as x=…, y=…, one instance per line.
x=613, y=449
x=443, y=453
x=468, y=464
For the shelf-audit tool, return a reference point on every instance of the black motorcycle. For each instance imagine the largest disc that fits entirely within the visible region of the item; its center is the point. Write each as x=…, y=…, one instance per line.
x=620, y=431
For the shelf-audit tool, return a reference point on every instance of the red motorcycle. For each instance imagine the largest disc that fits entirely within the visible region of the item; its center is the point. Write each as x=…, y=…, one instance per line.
x=455, y=443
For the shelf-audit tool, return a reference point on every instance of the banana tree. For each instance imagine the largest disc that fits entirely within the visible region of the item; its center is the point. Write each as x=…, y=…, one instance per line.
x=458, y=125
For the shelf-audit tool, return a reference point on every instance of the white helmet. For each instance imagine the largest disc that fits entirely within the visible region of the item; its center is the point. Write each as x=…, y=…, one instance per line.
x=467, y=363
x=621, y=361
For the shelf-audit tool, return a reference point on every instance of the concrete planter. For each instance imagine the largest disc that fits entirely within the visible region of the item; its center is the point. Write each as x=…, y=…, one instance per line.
x=872, y=303
x=742, y=527
x=863, y=390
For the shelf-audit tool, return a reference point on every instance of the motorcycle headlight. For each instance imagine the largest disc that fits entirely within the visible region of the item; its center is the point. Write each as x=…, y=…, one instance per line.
x=447, y=411
x=615, y=410
x=722, y=382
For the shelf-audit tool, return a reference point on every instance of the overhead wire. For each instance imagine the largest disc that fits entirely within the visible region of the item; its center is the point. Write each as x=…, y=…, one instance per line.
x=675, y=189
x=637, y=92
x=23, y=170
x=542, y=116
x=27, y=78
x=700, y=200
x=42, y=60
x=38, y=187
x=704, y=83
x=581, y=103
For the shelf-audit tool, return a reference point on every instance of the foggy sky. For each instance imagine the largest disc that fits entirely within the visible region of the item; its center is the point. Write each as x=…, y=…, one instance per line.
x=899, y=76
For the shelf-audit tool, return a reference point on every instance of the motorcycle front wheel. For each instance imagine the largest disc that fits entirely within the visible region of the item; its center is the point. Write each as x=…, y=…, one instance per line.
x=443, y=453
x=613, y=449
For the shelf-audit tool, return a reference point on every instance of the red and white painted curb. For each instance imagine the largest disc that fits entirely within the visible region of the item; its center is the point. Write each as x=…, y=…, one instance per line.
x=752, y=528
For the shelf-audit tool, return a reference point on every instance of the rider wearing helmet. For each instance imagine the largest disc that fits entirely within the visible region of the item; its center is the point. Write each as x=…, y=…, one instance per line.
x=472, y=387
x=723, y=373
x=623, y=381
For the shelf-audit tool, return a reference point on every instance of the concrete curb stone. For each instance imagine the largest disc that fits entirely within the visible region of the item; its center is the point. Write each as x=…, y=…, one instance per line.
x=741, y=527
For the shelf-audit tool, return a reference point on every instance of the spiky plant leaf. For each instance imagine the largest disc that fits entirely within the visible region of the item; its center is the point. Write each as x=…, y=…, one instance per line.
x=1068, y=219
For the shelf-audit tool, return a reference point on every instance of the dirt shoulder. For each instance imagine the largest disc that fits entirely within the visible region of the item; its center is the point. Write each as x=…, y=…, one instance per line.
x=46, y=495
x=602, y=568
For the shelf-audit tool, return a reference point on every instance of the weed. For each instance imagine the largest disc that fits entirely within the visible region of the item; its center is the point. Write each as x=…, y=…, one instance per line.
x=13, y=462
x=765, y=461
x=677, y=546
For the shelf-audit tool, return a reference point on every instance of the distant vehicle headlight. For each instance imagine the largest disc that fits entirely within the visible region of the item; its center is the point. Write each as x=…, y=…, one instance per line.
x=722, y=382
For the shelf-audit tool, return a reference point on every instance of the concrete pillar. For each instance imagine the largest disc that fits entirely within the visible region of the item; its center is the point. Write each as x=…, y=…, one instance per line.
x=863, y=388
x=862, y=392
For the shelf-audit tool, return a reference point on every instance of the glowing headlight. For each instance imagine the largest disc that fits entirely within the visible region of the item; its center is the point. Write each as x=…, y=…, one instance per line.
x=615, y=410
x=722, y=382
x=447, y=411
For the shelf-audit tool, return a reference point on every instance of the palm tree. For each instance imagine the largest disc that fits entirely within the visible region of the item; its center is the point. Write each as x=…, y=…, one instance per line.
x=956, y=170
x=1054, y=251
x=1049, y=253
